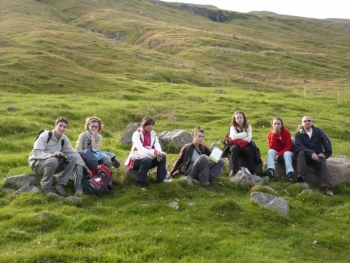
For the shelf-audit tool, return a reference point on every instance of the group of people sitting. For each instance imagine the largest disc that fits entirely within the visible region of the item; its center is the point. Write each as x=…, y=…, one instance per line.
x=51, y=156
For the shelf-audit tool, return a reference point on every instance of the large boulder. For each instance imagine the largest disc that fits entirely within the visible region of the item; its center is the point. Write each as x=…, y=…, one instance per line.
x=339, y=167
x=127, y=135
x=175, y=139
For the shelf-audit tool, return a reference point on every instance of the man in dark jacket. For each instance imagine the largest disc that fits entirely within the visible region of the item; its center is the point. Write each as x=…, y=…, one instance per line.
x=313, y=146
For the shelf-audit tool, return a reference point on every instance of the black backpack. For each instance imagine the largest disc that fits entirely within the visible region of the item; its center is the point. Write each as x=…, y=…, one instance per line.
x=99, y=182
x=49, y=138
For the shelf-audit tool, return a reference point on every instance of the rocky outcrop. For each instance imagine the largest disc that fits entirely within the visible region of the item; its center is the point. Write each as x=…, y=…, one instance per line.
x=339, y=167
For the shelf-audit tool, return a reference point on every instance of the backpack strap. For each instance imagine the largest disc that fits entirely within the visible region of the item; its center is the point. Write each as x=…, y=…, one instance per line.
x=50, y=136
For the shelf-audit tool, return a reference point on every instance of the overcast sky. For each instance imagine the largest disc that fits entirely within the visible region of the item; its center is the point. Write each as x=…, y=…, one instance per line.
x=305, y=8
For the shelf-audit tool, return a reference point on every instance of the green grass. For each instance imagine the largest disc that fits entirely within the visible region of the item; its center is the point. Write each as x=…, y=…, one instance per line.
x=78, y=58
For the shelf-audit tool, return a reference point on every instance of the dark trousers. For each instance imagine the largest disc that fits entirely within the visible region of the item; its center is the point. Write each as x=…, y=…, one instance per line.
x=205, y=171
x=247, y=154
x=145, y=164
x=321, y=167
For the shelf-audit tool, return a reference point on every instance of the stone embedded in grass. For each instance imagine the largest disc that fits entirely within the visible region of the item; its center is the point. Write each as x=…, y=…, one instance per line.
x=11, y=108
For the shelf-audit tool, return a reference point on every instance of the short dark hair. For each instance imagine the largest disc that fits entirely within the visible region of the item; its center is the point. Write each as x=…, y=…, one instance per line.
x=147, y=121
x=61, y=119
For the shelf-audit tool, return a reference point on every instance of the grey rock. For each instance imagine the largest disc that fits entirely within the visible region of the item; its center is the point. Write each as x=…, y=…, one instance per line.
x=27, y=188
x=73, y=199
x=339, y=167
x=21, y=180
x=270, y=201
x=176, y=139
x=246, y=181
x=126, y=137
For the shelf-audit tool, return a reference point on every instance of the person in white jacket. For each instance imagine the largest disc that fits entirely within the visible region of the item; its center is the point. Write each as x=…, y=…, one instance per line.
x=146, y=153
x=240, y=138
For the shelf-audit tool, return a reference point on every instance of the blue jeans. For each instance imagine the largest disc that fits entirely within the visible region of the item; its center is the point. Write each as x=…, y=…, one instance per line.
x=145, y=164
x=287, y=157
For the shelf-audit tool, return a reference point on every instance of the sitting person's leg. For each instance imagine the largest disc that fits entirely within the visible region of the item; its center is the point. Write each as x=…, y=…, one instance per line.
x=249, y=158
x=143, y=166
x=270, y=168
x=47, y=168
x=200, y=170
x=235, y=153
x=106, y=160
x=161, y=168
x=215, y=169
x=287, y=157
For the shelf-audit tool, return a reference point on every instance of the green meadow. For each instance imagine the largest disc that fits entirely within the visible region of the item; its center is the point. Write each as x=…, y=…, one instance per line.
x=122, y=60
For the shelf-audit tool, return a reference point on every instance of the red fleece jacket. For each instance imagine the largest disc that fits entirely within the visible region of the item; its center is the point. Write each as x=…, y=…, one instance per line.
x=280, y=142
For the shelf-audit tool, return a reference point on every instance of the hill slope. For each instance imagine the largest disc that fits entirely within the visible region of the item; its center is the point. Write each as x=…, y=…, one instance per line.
x=60, y=46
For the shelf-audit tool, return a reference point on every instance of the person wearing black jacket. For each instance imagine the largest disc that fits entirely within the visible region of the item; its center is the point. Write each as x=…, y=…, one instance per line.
x=193, y=160
x=313, y=146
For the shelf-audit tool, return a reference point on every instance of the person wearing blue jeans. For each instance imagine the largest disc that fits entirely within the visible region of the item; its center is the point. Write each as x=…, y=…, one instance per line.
x=280, y=144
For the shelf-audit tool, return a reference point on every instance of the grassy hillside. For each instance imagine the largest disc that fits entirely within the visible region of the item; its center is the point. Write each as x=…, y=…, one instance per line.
x=141, y=40
x=122, y=60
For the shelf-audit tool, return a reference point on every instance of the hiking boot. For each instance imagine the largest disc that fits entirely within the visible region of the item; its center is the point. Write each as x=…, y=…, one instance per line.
x=290, y=177
x=60, y=189
x=115, y=163
x=205, y=184
x=301, y=179
x=329, y=192
x=79, y=192
x=49, y=189
x=270, y=172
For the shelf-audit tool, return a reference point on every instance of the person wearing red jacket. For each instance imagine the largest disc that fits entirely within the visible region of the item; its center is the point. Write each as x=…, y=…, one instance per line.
x=280, y=144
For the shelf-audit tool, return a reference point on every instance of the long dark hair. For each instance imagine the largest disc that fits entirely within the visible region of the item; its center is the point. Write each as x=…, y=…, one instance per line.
x=245, y=122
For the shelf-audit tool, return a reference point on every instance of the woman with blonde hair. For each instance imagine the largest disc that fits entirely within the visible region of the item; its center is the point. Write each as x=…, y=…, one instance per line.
x=91, y=139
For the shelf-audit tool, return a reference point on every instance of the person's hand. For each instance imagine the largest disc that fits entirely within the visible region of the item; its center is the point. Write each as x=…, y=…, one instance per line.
x=315, y=157
x=57, y=154
x=276, y=157
x=321, y=155
x=87, y=170
x=159, y=156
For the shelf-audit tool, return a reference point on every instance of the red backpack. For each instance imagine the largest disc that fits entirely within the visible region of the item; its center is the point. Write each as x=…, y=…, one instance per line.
x=99, y=182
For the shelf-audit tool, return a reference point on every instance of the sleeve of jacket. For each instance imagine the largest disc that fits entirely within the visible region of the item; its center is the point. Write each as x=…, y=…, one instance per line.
x=80, y=145
x=270, y=140
x=179, y=161
x=207, y=151
x=327, y=145
x=234, y=135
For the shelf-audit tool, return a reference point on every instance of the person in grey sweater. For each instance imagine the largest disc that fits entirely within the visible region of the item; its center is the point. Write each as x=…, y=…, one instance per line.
x=52, y=154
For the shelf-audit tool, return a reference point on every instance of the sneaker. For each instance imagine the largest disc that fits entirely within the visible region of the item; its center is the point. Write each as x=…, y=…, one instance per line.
x=290, y=177
x=49, y=189
x=60, y=189
x=79, y=192
x=300, y=179
x=329, y=192
x=270, y=172
x=205, y=184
